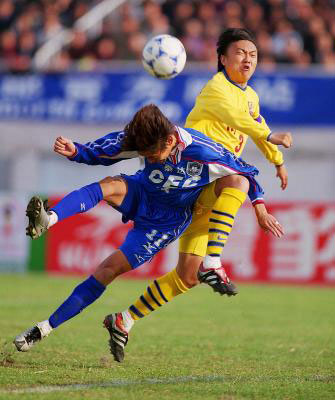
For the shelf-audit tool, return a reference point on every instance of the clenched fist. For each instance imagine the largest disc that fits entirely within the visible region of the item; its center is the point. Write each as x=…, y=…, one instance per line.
x=64, y=147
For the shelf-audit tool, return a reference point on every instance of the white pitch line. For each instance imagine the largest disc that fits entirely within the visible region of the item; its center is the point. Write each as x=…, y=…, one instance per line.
x=116, y=382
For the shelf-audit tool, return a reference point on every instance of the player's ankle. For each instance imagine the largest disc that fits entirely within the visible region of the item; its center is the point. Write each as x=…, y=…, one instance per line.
x=53, y=218
x=128, y=320
x=211, y=262
x=45, y=328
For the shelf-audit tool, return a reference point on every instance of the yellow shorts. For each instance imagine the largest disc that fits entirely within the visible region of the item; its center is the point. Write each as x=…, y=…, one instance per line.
x=194, y=240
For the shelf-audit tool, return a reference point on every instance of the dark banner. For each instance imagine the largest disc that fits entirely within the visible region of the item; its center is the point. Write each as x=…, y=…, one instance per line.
x=286, y=98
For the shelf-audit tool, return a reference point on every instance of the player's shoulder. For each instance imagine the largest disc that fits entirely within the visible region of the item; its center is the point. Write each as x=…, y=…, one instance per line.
x=216, y=86
x=201, y=143
x=218, y=80
x=252, y=93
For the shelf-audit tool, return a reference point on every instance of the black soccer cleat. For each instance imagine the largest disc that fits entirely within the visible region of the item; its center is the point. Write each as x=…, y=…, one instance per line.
x=118, y=335
x=218, y=280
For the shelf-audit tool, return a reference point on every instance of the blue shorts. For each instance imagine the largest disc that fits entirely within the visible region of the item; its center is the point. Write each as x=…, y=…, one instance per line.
x=155, y=225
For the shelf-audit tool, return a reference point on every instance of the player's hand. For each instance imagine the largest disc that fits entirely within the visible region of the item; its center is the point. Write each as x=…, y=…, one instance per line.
x=267, y=221
x=282, y=175
x=64, y=146
x=269, y=224
x=281, y=138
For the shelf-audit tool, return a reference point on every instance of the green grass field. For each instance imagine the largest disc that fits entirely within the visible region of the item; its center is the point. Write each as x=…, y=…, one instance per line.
x=269, y=342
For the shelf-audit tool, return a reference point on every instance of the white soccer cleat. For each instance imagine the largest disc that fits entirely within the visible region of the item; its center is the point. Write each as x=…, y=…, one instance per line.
x=26, y=340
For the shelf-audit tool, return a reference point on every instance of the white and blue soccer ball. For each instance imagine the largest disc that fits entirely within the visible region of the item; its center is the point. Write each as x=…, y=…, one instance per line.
x=164, y=56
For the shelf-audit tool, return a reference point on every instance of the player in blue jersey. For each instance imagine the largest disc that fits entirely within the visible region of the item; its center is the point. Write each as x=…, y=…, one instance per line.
x=159, y=199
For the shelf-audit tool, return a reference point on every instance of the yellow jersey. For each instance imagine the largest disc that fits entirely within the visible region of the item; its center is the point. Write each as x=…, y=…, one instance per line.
x=229, y=114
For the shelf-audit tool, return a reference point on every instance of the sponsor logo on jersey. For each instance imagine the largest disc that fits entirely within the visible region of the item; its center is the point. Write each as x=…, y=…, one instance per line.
x=193, y=168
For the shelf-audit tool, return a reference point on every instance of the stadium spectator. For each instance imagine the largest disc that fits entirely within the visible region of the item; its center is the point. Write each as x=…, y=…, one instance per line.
x=7, y=14
x=193, y=40
x=297, y=32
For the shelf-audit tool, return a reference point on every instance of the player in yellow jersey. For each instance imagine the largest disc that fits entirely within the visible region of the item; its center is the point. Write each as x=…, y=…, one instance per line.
x=227, y=110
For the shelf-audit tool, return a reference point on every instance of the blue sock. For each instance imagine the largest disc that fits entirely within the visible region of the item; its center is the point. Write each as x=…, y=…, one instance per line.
x=78, y=201
x=82, y=296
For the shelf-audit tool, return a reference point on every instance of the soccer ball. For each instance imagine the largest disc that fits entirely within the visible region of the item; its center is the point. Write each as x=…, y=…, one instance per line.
x=164, y=56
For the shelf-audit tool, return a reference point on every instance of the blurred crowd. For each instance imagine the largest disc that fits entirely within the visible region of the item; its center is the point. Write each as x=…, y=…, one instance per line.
x=300, y=32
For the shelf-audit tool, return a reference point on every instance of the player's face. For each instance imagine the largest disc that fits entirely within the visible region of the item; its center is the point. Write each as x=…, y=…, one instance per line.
x=240, y=61
x=160, y=156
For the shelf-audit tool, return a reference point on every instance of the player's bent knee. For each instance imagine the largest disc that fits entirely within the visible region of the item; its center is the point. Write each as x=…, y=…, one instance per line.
x=236, y=181
x=114, y=189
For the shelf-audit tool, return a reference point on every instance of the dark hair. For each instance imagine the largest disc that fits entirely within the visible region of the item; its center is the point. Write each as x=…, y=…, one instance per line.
x=229, y=36
x=147, y=131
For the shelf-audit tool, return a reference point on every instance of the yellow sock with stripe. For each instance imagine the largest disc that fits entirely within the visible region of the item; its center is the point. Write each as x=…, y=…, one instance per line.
x=221, y=222
x=160, y=292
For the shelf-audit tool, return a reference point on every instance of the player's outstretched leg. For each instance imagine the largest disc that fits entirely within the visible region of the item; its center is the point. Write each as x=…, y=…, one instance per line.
x=218, y=280
x=82, y=296
x=38, y=217
x=26, y=340
x=118, y=332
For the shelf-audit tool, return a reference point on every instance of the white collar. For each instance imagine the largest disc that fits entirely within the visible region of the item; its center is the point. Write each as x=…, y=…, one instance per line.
x=184, y=139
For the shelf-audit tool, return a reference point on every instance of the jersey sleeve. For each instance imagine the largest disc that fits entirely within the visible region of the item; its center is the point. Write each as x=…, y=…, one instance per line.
x=103, y=151
x=216, y=103
x=269, y=150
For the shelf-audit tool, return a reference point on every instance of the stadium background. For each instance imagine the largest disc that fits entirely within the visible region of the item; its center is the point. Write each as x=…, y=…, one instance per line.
x=72, y=68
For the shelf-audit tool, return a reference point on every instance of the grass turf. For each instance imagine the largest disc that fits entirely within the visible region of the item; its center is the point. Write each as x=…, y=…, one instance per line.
x=269, y=342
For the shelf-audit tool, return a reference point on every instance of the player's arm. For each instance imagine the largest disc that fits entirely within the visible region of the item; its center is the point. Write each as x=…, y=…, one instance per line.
x=219, y=107
x=103, y=151
x=265, y=220
x=271, y=151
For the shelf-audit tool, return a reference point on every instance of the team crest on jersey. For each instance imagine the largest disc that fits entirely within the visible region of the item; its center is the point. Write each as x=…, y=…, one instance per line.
x=168, y=168
x=193, y=168
x=251, y=108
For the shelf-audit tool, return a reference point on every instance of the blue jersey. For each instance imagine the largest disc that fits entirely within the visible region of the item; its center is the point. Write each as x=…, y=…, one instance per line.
x=196, y=161
x=161, y=196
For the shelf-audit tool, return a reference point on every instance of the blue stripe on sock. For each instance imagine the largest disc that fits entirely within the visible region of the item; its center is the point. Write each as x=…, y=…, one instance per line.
x=219, y=231
x=220, y=222
x=214, y=255
x=160, y=291
x=153, y=297
x=143, y=300
x=216, y=244
x=223, y=213
x=136, y=311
